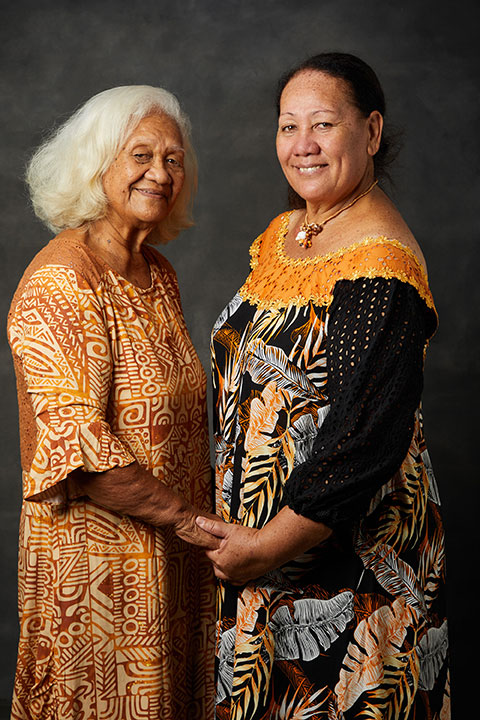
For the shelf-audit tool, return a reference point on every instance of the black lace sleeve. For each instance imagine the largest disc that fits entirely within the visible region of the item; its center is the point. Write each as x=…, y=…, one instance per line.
x=377, y=331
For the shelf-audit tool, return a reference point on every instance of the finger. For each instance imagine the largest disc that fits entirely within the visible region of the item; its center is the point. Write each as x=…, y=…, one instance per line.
x=207, y=540
x=209, y=545
x=227, y=578
x=214, y=527
x=212, y=555
x=219, y=574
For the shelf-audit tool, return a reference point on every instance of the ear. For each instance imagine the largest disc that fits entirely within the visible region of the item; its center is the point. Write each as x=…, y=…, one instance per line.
x=374, y=128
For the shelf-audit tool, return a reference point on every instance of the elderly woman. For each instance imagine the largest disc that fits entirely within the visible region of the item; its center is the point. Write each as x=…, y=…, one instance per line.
x=333, y=535
x=115, y=606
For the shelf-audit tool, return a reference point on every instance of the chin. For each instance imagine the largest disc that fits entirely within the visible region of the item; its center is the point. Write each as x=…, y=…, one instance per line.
x=310, y=191
x=151, y=218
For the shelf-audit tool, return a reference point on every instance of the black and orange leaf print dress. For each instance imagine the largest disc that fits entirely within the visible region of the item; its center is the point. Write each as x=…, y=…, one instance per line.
x=317, y=367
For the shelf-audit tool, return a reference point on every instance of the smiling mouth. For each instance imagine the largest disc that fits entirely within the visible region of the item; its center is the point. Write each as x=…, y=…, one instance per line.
x=149, y=192
x=309, y=170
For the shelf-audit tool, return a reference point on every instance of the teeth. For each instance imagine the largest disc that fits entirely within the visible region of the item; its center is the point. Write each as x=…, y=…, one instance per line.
x=308, y=170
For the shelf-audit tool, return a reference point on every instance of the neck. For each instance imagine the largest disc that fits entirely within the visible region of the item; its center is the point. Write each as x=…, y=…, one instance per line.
x=319, y=212
x=121, y=251
x=118, y=237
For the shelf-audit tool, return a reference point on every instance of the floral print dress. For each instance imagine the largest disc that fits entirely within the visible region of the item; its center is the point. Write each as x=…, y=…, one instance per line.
x=317, y=368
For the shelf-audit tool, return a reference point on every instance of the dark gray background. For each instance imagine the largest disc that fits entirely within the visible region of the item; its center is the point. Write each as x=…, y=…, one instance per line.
x=222, y=59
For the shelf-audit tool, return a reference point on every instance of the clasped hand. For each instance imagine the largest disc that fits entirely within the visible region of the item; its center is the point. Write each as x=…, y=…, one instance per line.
x=238, y=558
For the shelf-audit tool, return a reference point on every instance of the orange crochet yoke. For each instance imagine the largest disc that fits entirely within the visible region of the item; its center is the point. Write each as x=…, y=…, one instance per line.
x=277, y=280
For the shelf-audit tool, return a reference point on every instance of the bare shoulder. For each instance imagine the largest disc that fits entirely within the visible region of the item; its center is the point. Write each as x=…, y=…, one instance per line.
x=385, y=220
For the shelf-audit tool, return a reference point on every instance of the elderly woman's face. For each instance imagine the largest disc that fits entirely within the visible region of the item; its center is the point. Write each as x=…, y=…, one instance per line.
x=143, y=182
x=324, y=145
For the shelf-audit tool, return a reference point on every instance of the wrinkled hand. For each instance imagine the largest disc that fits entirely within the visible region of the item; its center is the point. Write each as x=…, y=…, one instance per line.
x=238, y=558
x=187, y=529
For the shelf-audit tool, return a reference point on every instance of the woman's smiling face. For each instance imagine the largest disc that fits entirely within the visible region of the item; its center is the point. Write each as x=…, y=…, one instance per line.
x=145, y=179
x=324, y=144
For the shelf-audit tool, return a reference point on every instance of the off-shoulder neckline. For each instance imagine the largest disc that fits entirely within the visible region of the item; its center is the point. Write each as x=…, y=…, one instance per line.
x=325, y=257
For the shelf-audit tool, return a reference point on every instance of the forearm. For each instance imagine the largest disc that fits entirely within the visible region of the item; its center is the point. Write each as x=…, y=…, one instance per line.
x=287, y=536
x=132, y=490
x=246, y=553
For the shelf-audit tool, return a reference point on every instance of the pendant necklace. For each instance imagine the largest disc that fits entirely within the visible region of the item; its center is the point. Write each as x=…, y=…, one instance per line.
x=308, y=230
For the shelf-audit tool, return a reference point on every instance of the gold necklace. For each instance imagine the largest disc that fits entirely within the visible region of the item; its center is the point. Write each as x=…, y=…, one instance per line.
x=308, y=230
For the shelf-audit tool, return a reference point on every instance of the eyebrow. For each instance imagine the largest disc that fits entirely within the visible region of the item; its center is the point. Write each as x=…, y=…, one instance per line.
x=315, y=112
x=147, y=141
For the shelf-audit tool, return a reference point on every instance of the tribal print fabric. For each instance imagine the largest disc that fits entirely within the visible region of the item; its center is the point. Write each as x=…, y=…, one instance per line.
x=317, y=368
x=116, y=615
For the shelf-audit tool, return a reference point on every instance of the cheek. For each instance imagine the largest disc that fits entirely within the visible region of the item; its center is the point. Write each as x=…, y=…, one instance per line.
x=115, y=183
x=178, y=183
x=283, y=154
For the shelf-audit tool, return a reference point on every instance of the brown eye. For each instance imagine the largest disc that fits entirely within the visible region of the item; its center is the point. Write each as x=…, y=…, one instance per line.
x=142, y=157
x=175, y=162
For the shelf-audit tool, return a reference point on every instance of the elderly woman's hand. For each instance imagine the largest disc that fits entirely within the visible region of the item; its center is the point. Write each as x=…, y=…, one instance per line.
x=190, y=531
x=132, y=490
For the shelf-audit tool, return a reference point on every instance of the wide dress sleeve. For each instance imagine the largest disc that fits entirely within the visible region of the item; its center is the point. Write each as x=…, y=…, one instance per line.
x=58, y=331
x=377, y=331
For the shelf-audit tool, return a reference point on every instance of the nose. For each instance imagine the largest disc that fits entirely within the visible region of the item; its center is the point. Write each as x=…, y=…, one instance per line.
x=306, y=143
x=158, y=172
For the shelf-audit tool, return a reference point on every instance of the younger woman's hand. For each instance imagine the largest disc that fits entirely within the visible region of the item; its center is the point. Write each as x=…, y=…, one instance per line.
x=245, y=553
x=238, y=558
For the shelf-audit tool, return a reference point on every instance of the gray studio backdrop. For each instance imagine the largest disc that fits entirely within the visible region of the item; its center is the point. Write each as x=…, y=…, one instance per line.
x=222, y=59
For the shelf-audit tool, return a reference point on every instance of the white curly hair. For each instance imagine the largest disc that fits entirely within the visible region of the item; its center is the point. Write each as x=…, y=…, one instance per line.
x=65, y=173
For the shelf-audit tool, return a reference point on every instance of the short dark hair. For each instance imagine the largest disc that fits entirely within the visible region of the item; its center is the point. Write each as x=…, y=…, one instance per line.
x=367, y=96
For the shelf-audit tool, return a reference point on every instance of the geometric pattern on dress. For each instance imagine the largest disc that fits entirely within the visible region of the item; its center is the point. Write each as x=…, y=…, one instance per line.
x=116, y=616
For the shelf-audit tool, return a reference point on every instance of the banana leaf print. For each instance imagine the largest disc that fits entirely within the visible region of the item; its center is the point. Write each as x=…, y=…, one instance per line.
x=432, y=651
x=249, y=603
x=263, y=481
x=401, y=504
x=303, y=433
x=401, y=517
x=227, y=486
x=377, y=642
x=308, y=351
x=228, y=397
x=431, y=571
x=266, y=324
x=395, y=697
x=394, y=574
x=263, y=416
x=227, y=312
x=315, y=625
x=365, y=604
x=433, y=493
x=226, y=656
x=342, y=631
x=301, y=707
x=253, y=668
x=267, y=362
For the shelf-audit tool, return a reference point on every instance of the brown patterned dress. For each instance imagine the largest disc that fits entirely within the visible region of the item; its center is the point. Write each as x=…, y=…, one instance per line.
x=116, y=615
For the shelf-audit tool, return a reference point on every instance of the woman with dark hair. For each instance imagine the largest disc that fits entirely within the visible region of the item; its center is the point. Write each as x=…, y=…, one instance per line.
x=331, y=561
